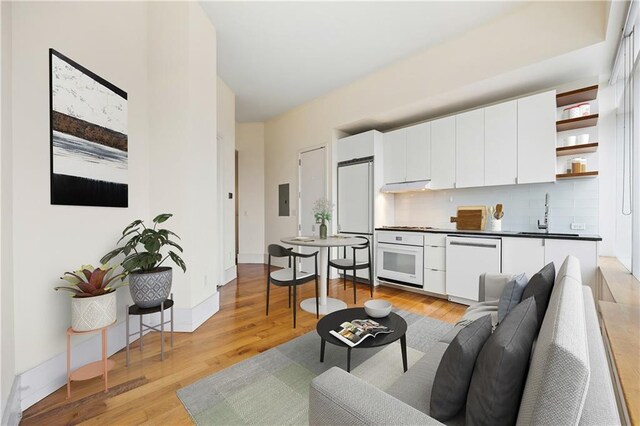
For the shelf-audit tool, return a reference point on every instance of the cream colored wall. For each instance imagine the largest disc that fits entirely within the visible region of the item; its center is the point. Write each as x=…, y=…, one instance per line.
x=250, y=146
x=227, y=137
x=530, y=34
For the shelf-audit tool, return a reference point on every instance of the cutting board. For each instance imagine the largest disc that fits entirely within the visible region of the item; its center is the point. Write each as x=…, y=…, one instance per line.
x=470, y=218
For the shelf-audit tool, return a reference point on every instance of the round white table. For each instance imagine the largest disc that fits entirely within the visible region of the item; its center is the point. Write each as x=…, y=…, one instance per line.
x=326, y=304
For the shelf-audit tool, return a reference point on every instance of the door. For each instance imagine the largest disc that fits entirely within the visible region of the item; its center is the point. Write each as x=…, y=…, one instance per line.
x=522, y=255
x=355, y=198
x=418, y=152
x=501, y=144
x=467, y=259
x=312, y=186
x=537, y=138
x=443, y=153
x=470, y=149
x=395, y=156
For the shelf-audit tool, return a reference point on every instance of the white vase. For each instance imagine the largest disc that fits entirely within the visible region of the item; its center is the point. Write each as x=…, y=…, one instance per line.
x=92, y=313
x=495, y=224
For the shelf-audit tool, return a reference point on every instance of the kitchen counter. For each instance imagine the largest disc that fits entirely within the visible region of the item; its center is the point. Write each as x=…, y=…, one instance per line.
x=583, y=237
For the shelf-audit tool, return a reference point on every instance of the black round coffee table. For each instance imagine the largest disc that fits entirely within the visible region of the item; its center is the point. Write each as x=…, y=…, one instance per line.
x=333, y=321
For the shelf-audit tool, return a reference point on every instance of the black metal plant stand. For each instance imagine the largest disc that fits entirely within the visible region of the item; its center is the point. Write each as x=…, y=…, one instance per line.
x=141, y=312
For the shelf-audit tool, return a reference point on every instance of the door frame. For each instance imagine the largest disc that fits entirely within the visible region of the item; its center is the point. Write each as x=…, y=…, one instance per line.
x=299, y=186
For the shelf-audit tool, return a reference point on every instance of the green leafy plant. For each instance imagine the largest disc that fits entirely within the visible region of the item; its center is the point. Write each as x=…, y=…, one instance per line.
x=322, y=209
x=90, y=282
x=142, y=250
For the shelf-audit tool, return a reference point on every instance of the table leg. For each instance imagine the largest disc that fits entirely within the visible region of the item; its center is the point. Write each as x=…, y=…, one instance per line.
x=326, y=304
x=403, y=347
x=68, y=366
x=348, y=359
x=104, y=359
x=324, y=260
x=322, y=344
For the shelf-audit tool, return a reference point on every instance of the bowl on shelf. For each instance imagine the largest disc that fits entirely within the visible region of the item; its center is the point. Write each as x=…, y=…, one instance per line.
x=377, y=308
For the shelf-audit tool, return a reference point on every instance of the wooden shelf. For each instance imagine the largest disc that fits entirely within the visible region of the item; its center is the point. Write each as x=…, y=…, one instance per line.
x=586, y=148
x=585, y=94
x=576, y=175
x=577, y=123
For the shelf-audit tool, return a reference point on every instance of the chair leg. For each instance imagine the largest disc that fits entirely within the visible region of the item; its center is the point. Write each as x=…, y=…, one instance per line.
x=354, y=286
x=295, y=302
x=370, y=281
x=289, y=297
x=344, y=279
x=268, y=285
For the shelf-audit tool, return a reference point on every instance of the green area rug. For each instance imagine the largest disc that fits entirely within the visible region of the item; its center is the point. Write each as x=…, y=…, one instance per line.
x=273, y=388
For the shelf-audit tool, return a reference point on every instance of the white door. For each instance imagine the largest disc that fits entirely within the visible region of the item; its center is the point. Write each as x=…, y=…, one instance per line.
x=470, y=149
x=501, y=144
x=394, y=156
x=418, y=152
x=522, y=255
x=443, y=153
x=312, y=186
x=537, y=138
x=354, y=198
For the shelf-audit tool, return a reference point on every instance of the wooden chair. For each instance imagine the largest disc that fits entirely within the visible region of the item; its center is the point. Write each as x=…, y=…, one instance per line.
x=291, y=277
x=345, y=264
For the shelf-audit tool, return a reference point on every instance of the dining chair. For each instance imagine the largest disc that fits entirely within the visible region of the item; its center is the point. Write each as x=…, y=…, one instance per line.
x=290, y=277
x=353, y=264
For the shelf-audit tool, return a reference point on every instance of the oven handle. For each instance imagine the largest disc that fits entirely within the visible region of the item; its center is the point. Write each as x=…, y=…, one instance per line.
x=400, y=248
x=481, y=245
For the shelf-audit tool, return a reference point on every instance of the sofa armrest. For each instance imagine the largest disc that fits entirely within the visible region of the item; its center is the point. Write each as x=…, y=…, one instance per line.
x=491, y=286
x=339, y=398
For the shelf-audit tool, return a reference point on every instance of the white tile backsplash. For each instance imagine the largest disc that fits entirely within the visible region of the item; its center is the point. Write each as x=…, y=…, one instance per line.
x=571, y=201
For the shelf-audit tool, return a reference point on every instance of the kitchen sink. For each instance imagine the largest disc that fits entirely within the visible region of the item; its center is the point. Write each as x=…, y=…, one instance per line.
x=551, y=234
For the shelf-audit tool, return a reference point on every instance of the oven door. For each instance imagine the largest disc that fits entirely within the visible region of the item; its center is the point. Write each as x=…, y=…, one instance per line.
x=400, y=264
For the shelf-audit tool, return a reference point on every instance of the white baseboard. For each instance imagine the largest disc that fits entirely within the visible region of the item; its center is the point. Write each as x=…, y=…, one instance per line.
x=11, y=412
x=251, y=258
x=230, y=274
x=44, y=379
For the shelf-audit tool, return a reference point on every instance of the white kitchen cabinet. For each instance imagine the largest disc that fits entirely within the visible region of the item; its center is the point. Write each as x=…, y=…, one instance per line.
x=501, y=144
x=470, y=149
x=434, y=258
x=395, y=156
x=356, y=146
x=537, y=138
x=556, y=251
x=443, y=153
x=434, y=281
x=418, y=152
x=522, y=255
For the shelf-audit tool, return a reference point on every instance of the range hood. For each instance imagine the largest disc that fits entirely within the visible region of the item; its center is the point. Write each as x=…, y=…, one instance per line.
x=415, y=186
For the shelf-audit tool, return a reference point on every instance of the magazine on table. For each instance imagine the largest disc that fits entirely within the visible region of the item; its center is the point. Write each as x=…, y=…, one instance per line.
x=354, y=332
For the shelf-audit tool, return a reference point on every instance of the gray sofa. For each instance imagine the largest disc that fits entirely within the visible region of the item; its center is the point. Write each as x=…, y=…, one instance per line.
x=568, y=382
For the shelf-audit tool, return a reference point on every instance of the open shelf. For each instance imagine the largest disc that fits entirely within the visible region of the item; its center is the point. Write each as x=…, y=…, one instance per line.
x=586, y=148
x=577, y=123
x=576, y=175
x=585, y=94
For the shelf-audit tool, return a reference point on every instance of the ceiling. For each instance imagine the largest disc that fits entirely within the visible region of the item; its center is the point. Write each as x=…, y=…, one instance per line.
x=277, y=55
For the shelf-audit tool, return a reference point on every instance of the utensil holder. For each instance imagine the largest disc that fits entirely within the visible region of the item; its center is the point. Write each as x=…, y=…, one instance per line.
x=495, y=224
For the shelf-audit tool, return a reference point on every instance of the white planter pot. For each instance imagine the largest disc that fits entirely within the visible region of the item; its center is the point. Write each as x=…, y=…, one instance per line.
x=92, y=313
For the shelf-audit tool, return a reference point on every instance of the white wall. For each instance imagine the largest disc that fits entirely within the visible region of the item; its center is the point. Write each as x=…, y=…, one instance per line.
x=227, y=138
x=425, y=80
x=250, y=146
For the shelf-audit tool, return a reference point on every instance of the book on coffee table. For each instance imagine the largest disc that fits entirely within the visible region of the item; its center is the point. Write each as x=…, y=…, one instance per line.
x=354, y=332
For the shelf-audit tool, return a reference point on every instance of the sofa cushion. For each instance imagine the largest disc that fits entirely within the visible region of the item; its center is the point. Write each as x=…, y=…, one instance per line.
x=451, y=383
x=414, y=386
x=500, y=371
x=540, y=286
x=511, y=295
x=559, y=373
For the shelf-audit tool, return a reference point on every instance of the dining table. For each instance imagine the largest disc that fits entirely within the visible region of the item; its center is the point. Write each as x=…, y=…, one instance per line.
x=326, y=304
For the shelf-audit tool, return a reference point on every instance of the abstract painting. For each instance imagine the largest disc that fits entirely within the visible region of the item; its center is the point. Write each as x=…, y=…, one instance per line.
x=89, y=144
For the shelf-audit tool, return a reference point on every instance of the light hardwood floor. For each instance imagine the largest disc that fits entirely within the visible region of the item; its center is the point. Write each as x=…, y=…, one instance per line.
x=146, y=391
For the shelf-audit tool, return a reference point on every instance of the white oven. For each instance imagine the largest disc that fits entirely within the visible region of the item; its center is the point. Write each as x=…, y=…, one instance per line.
x=400, y=258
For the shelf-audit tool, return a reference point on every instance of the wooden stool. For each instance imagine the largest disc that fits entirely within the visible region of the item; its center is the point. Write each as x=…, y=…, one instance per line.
x=136, y=310
x=93, y=369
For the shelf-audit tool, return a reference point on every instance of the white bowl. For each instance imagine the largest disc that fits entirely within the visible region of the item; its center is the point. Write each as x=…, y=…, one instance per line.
x=377, y=308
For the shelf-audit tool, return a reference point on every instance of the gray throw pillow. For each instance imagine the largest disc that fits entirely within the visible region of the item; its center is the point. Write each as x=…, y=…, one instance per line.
x=540, y=286
x=451, y=382
x=511, y=295
x=501, y=369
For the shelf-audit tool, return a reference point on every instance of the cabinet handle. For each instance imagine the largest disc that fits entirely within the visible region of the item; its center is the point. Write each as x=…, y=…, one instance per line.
x=481, y=245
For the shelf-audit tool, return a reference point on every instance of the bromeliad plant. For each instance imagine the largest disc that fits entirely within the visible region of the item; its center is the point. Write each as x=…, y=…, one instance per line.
x=142, y=250
x=91, y=282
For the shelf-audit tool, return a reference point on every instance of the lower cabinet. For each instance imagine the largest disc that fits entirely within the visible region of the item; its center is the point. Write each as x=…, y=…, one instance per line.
x=522, y=255
x=434, y=281
x=556, y=251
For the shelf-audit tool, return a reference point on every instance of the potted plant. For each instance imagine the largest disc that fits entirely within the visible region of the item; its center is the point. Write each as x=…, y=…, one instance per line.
x=322, y=209
x=149, y=282
x=93, y=304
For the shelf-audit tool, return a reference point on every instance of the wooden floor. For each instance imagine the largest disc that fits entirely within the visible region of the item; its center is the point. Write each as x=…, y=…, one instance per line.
x=146, y=391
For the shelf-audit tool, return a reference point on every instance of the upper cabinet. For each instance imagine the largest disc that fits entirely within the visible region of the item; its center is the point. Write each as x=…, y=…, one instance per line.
x=537, y=138
x=470, y=149
x=443, y=153
x=395, y=156
x=501, y=144
x=418, y=152
x=356, y=146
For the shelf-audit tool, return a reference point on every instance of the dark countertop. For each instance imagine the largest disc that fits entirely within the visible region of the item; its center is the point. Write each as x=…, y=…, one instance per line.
x=552, y=236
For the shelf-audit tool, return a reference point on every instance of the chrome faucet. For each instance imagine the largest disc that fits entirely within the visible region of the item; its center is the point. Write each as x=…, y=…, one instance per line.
x=545, y=225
